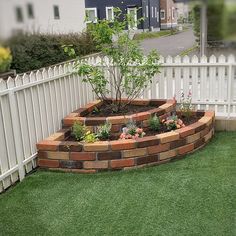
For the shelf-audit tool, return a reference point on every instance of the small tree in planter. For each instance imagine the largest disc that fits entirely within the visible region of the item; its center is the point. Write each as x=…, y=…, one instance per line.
x=135, y=70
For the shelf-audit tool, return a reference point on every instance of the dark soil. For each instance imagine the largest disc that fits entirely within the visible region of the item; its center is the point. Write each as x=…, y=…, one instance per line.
x=106, y=110
x=149, y=132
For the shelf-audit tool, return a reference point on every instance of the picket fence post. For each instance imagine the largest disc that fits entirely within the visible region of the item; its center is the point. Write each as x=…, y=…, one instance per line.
x=16, y=133
x=230, y=79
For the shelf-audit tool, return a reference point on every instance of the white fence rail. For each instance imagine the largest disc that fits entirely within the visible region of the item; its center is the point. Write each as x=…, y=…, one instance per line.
x=33, y=105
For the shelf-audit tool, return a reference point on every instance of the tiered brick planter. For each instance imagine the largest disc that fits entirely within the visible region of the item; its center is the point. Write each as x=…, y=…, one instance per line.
x=163, y=107
x=57, y=153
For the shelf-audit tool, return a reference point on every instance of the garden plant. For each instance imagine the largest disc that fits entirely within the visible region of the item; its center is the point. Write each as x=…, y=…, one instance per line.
x=5, y=59
x=121, y=53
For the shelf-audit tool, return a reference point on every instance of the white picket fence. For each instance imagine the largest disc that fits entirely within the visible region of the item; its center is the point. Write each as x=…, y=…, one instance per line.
x=33, y=105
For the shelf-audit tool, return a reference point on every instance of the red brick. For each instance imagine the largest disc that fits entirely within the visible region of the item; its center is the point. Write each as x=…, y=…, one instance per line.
x=69, y=121
x=123, y=144
x=193, y=138
x=197, y=126
x=48, y=163
x=177, y=143
x=71, y=164
x=210, y=114
x=158, y=148
x=135, y=152
x=141, y=116
x=186, y=131
x=97, y=146
x=204, y=132
x=147, y=159
x=168, y=107
x=67, y=146
x=108, y=155
x=58, y=155
x=199, y=143
x=56, y=137
x=42, y=155
x=168, y=137
x=140, y=102
x=90, y=121
x=167, y=155
x=185, y=149
x=47, y=145
x=157, y=111
x=208, y=136
x=81, y=111
x=147, y=141
x=117, y=120
x=96, y=164
x=122, y=163
x=83, y=156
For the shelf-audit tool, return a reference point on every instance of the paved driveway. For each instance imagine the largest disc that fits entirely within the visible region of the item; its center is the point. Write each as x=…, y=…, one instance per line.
x=170, y=45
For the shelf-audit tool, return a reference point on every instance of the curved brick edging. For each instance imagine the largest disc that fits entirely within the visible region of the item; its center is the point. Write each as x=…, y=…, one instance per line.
x=163, y=106
x=54, y=153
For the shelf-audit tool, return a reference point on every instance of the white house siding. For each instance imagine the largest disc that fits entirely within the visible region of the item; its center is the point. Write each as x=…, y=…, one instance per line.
x=182, y=9
x=72, y=16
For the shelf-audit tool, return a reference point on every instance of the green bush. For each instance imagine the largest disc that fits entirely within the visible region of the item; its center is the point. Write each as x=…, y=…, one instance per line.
x=154, y=123
x=215, y=18
x=104, y=131
x=79, y=131
x=5, y=59
x=34, y=51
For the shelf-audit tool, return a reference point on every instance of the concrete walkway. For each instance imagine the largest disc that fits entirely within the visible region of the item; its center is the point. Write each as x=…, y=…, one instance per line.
x=170, y=45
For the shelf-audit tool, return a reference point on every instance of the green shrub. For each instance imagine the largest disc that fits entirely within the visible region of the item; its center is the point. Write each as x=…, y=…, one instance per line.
x=79, y=131
x=5, y=59
x=90, y=137
x=154, y=123
x=34, y=51
x=104, y=131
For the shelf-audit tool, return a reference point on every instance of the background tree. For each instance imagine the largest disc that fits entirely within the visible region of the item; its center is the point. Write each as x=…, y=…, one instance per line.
x=216, y=21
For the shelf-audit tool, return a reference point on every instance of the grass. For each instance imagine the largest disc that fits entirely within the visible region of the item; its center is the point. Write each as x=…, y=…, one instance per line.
x=193, y=196
x=189, y=50
x=150, y=35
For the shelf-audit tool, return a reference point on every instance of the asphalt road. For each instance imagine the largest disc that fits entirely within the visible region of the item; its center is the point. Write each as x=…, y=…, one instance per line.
x=170, y=45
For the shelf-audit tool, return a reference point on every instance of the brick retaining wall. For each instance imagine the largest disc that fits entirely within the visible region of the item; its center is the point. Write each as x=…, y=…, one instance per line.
x=55, y=153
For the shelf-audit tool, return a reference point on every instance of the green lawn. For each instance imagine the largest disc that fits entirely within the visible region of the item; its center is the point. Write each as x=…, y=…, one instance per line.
x=150, y=35
x=193, y=196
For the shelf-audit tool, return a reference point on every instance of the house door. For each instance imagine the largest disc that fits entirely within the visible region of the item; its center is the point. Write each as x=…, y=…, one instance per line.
x=133, y=13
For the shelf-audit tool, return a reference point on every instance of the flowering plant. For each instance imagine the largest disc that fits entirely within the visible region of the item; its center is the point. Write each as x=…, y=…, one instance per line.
x=131, y=131
x=5, y=59
x=173, y=122
x=186, y=107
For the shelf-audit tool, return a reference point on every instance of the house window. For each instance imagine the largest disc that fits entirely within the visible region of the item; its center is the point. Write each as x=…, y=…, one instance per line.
x=163, y=15
x=19, y=15
x=56, y=12
x=109, y=13
x=155, y=12
x=173, y=13
x=147, y=15
x=30, y=11
x=152, y=12
x=157, y=16
x=91, y=15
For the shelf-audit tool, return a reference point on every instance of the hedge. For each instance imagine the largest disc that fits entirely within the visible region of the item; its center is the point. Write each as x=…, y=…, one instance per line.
x=34, y=51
